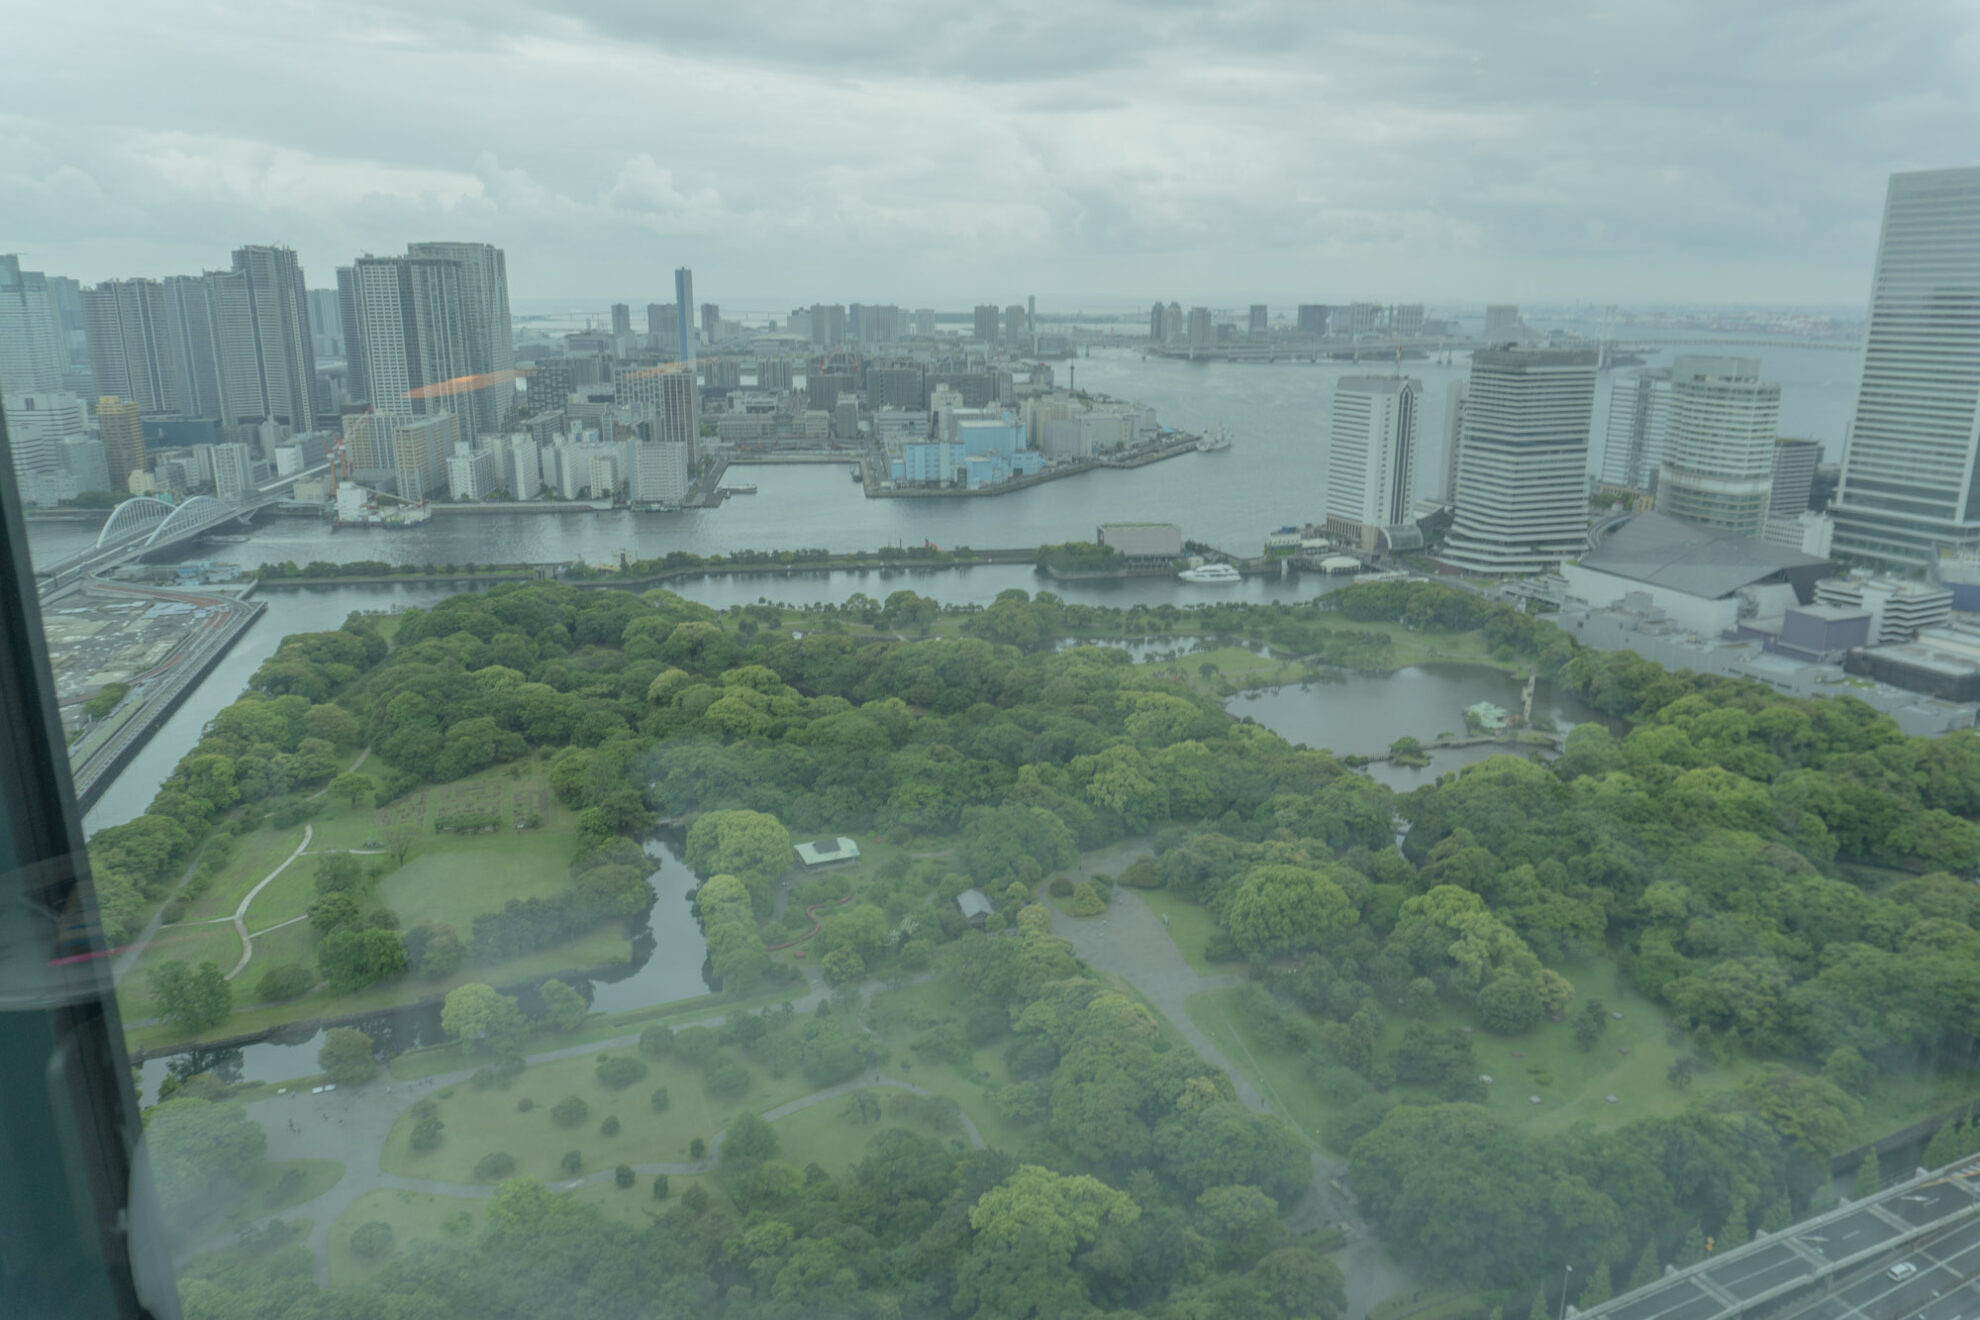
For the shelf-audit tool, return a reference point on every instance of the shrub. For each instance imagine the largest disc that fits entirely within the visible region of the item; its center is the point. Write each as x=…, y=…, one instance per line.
x=372, y=1240
x=695, y=1044
x=524, y=1105
x=617, y=1072
x=696, y=1199
x=623, y=1175
x=697, y=1149
x=660, y=1188
x=1086, y=900
x=426, y=1134
x=484, y=1079
x=572, y=1163
x=610, y=1127
x=727, y=1079
x=1061, y=887
x=657, y=1042
x=283, y=982
x=660, y=1100
x=495, y=1167
x=287, y=1189
x=570, y=1111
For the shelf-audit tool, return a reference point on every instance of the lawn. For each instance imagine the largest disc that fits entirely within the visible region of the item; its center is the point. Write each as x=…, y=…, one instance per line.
x=262, y=1197
x=1629, y=1062
x=1280, y=1077
x=1415, y=648
x=256, y=853
x=449, y=878
x=1235, y=666
x=598, y=1029
x=456, y=878
x=823, y=1135
x=479, y=1123
x=411, y=1214
x=635, y=1205
x=191, y=944
x=604, y=945
x=1191, y=926
x=905, y=1015
x=293, y=943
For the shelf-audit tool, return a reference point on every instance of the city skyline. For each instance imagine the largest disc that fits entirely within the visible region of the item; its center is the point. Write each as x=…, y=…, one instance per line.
x=1431, y=150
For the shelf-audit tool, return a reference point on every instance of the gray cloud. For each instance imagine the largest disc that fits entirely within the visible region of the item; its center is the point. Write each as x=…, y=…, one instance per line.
x=894, y=150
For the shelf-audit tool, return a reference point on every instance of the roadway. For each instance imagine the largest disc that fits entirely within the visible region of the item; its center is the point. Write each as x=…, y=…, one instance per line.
x=157, y=691
x=1837, y=1265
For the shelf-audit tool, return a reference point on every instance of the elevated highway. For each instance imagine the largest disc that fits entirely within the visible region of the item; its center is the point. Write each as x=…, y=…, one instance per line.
x=1911, y=1252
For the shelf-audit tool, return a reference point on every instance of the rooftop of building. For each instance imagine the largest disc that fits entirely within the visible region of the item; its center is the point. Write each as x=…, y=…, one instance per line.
x=1700, y=561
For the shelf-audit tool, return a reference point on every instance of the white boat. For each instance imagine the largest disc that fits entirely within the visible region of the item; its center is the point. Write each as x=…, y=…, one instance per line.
x=1211, y=574
x=1212, y=441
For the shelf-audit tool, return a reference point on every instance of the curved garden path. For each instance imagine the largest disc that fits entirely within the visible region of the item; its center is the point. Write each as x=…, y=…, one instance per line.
x=240, y=913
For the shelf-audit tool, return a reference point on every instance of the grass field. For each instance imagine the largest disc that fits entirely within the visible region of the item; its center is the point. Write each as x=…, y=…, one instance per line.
x=904, y=1015
x=635, y=1205
x=1191, y=926
x=412, y=1215
x=1574, y=1086
x=821, y=1134
x=467, y=875
x=597, y=1029
x=256, y=853
x=1235, y=667
x=603, y=945
x=1415, y=648
x=479, y=1123
x=262, y=1196
x=192, y=945
x=449, y=878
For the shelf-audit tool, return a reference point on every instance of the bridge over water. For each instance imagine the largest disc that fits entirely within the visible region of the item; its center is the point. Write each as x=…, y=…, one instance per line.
x=144, y=524
x=1377, y=351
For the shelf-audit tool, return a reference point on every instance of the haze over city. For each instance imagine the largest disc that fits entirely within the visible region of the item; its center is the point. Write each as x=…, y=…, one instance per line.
x=1094, y=153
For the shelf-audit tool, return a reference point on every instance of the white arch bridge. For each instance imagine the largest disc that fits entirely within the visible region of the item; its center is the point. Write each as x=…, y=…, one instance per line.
x=144, y=523
x=148, y=521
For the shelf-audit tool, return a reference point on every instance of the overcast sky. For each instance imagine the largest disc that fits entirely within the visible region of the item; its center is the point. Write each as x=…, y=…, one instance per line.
x=1727, y=151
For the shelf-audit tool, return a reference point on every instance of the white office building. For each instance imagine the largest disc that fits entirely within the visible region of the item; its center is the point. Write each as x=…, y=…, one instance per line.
x=1908, y=483
x=233, y=472
x=1371, y=457
x=520, y=465
x=1898, y=608
x=659, y=472
x=1718, y=465
x=1522, y=492
x=470, y=472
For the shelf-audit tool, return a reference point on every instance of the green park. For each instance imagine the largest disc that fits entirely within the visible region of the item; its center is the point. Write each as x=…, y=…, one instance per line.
x=1108, y=961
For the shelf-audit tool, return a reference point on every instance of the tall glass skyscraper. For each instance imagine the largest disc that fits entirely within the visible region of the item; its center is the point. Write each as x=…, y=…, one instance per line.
x=1910, y=479
x=684, y=310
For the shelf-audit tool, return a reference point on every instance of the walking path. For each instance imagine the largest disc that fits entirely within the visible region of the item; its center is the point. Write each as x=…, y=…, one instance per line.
x=1131, y=942
x=240, y=913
